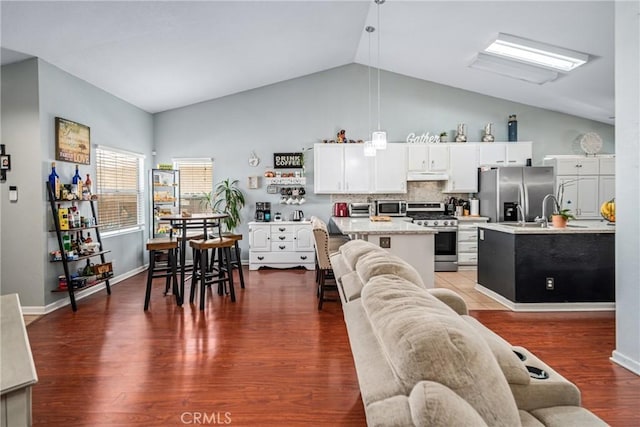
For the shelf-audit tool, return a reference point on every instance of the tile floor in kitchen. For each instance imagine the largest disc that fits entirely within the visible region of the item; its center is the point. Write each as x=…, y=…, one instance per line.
x=463, y=283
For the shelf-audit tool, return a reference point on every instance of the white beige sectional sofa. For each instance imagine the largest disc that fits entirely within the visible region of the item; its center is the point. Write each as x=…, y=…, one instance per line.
x=422, y=361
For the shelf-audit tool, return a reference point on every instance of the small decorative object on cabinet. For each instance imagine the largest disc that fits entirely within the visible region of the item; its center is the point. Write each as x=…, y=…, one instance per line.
x=165, y=199
x=461, y=133
x=74, y=246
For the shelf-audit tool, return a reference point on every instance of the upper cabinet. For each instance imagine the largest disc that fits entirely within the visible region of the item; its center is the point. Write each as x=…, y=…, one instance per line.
x=504, y=154
x=574, y=165
x=427, y=157
x=463, y=168
x=340, y=168
x=390, y=172
x=343, y=168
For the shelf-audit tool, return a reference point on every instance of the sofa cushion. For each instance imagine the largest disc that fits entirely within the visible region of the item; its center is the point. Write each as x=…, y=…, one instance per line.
x=354, y=249
x=434, y=405
x=391, y=412
x=375, y=263
x=512, y=367
x=567, y=416
x=423, y=339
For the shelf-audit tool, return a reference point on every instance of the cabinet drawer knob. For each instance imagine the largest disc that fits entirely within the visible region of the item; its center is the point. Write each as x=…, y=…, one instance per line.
x=303, y=257
x=260, y=258
x=282, y=247
x=281, y=237
x=282, y=229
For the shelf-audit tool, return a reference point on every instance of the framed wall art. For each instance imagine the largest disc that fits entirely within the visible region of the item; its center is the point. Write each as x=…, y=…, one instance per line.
x=288, y=160
x=73, y=142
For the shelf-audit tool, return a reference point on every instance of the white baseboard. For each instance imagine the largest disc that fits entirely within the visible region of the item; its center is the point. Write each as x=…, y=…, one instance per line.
x=40, y=310
x=546, y=306
x=622, y=360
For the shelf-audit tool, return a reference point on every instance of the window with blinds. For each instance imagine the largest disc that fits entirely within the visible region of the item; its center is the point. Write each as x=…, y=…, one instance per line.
x=120, y=190
x=196, y=180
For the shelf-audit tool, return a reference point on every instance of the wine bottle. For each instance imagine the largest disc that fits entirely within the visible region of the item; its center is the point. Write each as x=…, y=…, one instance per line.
x=87, y=185
x=76, y=183
x=54, y=181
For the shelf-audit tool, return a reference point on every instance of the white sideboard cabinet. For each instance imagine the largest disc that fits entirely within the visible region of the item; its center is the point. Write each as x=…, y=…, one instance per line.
x=282, y=244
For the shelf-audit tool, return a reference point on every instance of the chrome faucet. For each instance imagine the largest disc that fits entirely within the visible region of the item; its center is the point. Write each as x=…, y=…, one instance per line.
x=543, y=219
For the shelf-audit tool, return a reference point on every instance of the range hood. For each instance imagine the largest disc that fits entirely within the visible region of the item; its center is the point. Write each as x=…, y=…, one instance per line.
x=427, y=176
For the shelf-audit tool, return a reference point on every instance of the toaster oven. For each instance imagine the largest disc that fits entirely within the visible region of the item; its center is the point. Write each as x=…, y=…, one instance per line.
x=359, y=209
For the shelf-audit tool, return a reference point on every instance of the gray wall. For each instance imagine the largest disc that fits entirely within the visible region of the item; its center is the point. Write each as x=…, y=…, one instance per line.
x=113, y=123
x=290, y=115
x=22, y=224
x=627, y=352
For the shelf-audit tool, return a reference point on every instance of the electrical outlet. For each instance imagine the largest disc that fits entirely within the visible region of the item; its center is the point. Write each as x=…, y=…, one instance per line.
x=549, y=283
x=385, y=242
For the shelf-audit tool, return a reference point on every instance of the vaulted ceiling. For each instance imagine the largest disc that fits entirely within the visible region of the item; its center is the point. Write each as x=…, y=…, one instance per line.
x=164, y=55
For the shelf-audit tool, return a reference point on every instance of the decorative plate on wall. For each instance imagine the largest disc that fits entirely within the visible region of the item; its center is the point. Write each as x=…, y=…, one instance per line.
x=591, y=143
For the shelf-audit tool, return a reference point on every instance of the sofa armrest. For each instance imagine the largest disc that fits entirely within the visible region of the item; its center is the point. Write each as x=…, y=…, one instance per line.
x=450, y=298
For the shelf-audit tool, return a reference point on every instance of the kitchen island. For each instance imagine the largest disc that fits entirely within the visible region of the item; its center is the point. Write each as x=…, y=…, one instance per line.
x=411, y=242
x=528, y=267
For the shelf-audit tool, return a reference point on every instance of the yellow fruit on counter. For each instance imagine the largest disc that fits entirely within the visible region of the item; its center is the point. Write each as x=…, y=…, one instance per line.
x=608, y=210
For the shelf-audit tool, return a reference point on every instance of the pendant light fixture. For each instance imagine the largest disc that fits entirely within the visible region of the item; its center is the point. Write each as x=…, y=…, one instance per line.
x=379, y=137
x=369, y=149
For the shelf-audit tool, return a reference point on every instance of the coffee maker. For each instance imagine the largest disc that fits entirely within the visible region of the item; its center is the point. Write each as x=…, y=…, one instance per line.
x=263, y=211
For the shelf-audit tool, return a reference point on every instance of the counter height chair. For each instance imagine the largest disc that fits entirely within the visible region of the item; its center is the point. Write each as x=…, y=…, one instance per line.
x=200, y=266
x=324, y=270
x=156, y=247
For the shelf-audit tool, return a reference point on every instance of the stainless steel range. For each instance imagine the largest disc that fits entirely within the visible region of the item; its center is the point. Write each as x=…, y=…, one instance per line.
x=432, y=214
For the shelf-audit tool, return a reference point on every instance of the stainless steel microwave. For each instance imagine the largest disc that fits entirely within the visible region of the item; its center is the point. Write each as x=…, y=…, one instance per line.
x=391, y=207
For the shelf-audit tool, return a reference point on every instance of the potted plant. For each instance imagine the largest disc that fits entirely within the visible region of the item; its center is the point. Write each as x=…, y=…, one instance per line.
x=560, y=218
x=443, y=137
x=229, y=199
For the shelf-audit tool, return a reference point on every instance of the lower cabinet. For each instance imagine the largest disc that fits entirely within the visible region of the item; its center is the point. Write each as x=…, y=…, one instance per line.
x=283, y=244
x=468, y=240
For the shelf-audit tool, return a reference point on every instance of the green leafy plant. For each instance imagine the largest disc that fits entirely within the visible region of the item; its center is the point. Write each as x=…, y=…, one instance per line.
x=229, y=199
x=565, y=213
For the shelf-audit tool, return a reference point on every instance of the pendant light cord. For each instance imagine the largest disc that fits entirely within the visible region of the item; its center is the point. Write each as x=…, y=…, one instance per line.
x=379, y=2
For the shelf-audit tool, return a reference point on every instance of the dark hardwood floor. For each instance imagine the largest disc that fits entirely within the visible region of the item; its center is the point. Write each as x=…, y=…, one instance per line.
x=270, y=359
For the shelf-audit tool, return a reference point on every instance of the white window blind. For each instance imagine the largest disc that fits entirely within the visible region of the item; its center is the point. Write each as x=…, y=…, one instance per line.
x=196, y=180
x=120, y=190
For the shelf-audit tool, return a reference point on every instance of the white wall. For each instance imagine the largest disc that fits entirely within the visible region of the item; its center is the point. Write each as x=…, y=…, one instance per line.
x=290, y=115
x=627, y=352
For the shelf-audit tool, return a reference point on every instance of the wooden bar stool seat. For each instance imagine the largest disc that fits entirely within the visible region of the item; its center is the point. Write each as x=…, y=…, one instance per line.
x=169, y=271
x=200, y=264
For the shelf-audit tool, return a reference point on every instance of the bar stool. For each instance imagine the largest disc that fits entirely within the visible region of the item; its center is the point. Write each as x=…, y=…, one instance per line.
x=155, y=247
x=225, y=272
x=237, y=263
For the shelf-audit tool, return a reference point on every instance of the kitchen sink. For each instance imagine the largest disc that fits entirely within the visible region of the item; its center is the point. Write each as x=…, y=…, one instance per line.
x=522, y=224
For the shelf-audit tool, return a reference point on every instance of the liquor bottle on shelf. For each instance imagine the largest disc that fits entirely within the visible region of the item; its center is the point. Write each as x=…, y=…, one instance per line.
x=54, y=181
x=76, y=185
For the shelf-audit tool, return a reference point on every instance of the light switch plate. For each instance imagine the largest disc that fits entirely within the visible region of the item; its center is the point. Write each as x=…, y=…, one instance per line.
x=385, y=242
x=13, y=193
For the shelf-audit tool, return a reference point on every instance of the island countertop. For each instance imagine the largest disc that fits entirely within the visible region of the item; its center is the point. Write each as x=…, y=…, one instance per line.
x=573, y=227
x=364, y=226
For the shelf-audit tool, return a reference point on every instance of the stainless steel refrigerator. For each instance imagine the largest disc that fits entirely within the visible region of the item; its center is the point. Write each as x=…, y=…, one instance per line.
x=502, y=189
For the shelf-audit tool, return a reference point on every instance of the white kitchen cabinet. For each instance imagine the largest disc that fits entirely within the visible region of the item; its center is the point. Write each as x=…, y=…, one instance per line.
x=468, y=240
x=504, y=153
x=283, y=244
x=580, y=195
x=438, y=158
x=427, y=157
x=390, y=172
x=606, y=188
x=574, y=165
x=588, y=182
x=463, y=168
x=341, y=168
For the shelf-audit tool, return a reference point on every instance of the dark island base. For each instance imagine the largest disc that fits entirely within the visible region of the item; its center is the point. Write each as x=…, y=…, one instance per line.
x=517, y=266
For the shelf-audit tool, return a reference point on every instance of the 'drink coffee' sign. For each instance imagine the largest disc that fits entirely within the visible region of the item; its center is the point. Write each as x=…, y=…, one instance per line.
x=287, y=160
